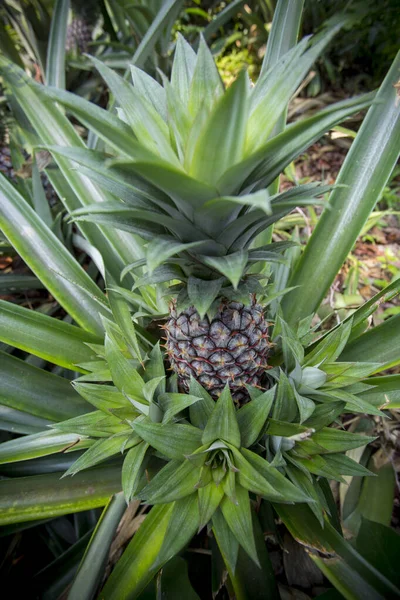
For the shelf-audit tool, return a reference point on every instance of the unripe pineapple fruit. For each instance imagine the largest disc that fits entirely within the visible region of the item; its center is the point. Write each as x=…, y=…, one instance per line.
x=79, y=35
x=231, y=347
x=80, y=30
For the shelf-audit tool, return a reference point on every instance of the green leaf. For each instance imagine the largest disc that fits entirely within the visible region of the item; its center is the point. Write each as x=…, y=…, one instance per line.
x=283, y=33
x=187, y=193
x=270, y=160
x=102, y=397
x=55, y=65
x=150, y=388
x=305, y=406
x=54, y=128
x=292, y=349
x=222, y=424
x=274, y=88
x=173, y=440
x=37, y=392
x=135, y=569
x=17, y=421
x=161, y=274
x=361, y=314
x=91, y=569
x=182, y=526
x=182, y=69
x=380, y=546
x=308, y=485
x=149, y=128
x=102, y=449
x=259, y=200
x=209, y=498
x=167, y=13
x=256, y=475
x=231, y=266
x=48, y=496
x=201, y=411
x=221, y=141
x=155, y=367
x=285, y=402
x=172, y=404
x=105, y=124
x=330, y=347
x=160, y=249
x=319, y=466
x=376, y=345
x=238, y=517
x=284, y=429
x=179, y=121
x=53, y=340
x=50, y=260
x=249, y=581
x=8, y=281
x=206, y=84
x=324, y=414
x=353, y=403
x=335, y=440
x=342, y=374
x=175, y=481
x=39, y=200
x=203, y=293
x=345, y=580
x=123, y=371
x=132, y=469
x=376, y=497
x=37, y=444
x=150, y=89
x=124, y=217
x=360, y=183
x=252, y=416
x=312, y=377
x=346, y=465
x=122, y=315
x=96, y=423
x=227, y=542
x=385, y=388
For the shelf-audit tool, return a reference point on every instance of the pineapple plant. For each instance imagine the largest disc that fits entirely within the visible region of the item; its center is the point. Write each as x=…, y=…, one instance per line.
x=236, y=421
x=202, y=217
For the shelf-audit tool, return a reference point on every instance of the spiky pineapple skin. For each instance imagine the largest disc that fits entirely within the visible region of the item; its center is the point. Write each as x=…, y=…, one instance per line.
x=231, y=348
x=6, y=167
x=79, y=35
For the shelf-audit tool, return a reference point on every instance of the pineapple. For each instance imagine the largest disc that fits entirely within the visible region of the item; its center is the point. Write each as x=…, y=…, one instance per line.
x=192, y=181
x=6, y=166
x=231, y=347
x=80, y=30
x=5, y=159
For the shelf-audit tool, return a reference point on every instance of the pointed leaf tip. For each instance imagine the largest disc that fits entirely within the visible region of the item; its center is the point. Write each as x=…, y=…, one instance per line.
x=222, y=423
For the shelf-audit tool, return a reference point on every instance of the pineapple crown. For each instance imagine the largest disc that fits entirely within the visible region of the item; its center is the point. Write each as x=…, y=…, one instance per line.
x=189, y=163
x=5, y=120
